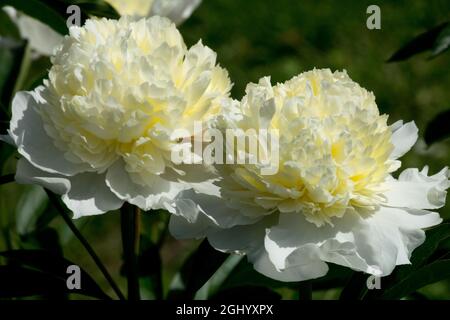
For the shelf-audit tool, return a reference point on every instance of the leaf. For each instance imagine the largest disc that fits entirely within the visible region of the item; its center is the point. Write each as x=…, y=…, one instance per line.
x=434, y=272
x=42, y=11
x=32, y=203
x=246, y=293
x=98, y=8
x=198, y=268
x=442, y=42
x=8, y=28
x=51, y=267
x=150, y=265
x=11, y=55
x=438, y=129
x=423, y=42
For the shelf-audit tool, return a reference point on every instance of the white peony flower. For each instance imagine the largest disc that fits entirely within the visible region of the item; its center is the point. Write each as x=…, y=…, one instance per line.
x=99, y=131
x=333, y=198
x=176, y=10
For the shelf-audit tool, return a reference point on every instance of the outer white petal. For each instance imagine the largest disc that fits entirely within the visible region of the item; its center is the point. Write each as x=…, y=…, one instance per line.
x=27, y=132
x=294, y=243
x=249, y=239
x=375, y=244
x=417, y=190
x=89, y=195
x=175, y=10
x=198, y=214
x=84, y=194
x=160, y=195
x=41, y=38
x=403, y=138
x=26, y=173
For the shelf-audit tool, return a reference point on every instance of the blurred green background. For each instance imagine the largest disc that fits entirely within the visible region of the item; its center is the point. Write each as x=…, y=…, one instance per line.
x=281, y=39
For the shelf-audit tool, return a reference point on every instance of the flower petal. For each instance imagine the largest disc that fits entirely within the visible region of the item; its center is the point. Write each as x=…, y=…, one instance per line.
x=26, y=173
x=403, y=138
x=89, y=195
x=27, y=131
x=159, y=196
x=84, y=194
x=417, y=190
x=176, y=10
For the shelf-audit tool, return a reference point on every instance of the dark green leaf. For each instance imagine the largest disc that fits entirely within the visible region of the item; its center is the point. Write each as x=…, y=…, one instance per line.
x=41, y=11
x=11, y=55
x=439, y=128
x=54, y=266
x=8, y=28
x=32, y=203
x=442, y=42
x=421, y=43
x=434, y=272
x=98, y=8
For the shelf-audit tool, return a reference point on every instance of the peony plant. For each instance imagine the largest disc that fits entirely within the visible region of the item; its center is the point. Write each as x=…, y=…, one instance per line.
x=312, y=185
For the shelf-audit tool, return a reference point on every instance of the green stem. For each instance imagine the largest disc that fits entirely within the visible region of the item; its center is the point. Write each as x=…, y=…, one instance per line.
x=130, y=225
x=86, y=245
x=305, y=290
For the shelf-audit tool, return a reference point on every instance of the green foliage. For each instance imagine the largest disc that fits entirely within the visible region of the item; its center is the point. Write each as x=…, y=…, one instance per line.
x=436, y=39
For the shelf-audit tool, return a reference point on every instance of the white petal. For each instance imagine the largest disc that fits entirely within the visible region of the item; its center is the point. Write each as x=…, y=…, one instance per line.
x=417, y=190
x=263, y=264
x=192, y=224
x=159, y=196
x=26, y=173
x=403, y=138
x=89, y=195
x=295, y=243
x=175, y=10
x=388, y=237
x=84, y=194
x=27, y=131
x=41, y=37
x=216, y=209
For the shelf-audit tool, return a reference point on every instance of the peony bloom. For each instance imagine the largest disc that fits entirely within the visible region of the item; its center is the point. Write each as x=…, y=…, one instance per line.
x=175, y=10
x=99, y=131
x=333, y=198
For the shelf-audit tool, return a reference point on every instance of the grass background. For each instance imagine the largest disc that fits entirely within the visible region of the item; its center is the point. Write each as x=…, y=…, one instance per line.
x=283, y=38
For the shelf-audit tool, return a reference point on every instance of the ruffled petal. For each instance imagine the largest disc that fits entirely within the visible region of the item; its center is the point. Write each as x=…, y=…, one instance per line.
x=160, y=195
x=89, y=195
x=416, y=190
x=28, y=134
x=84, y=194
